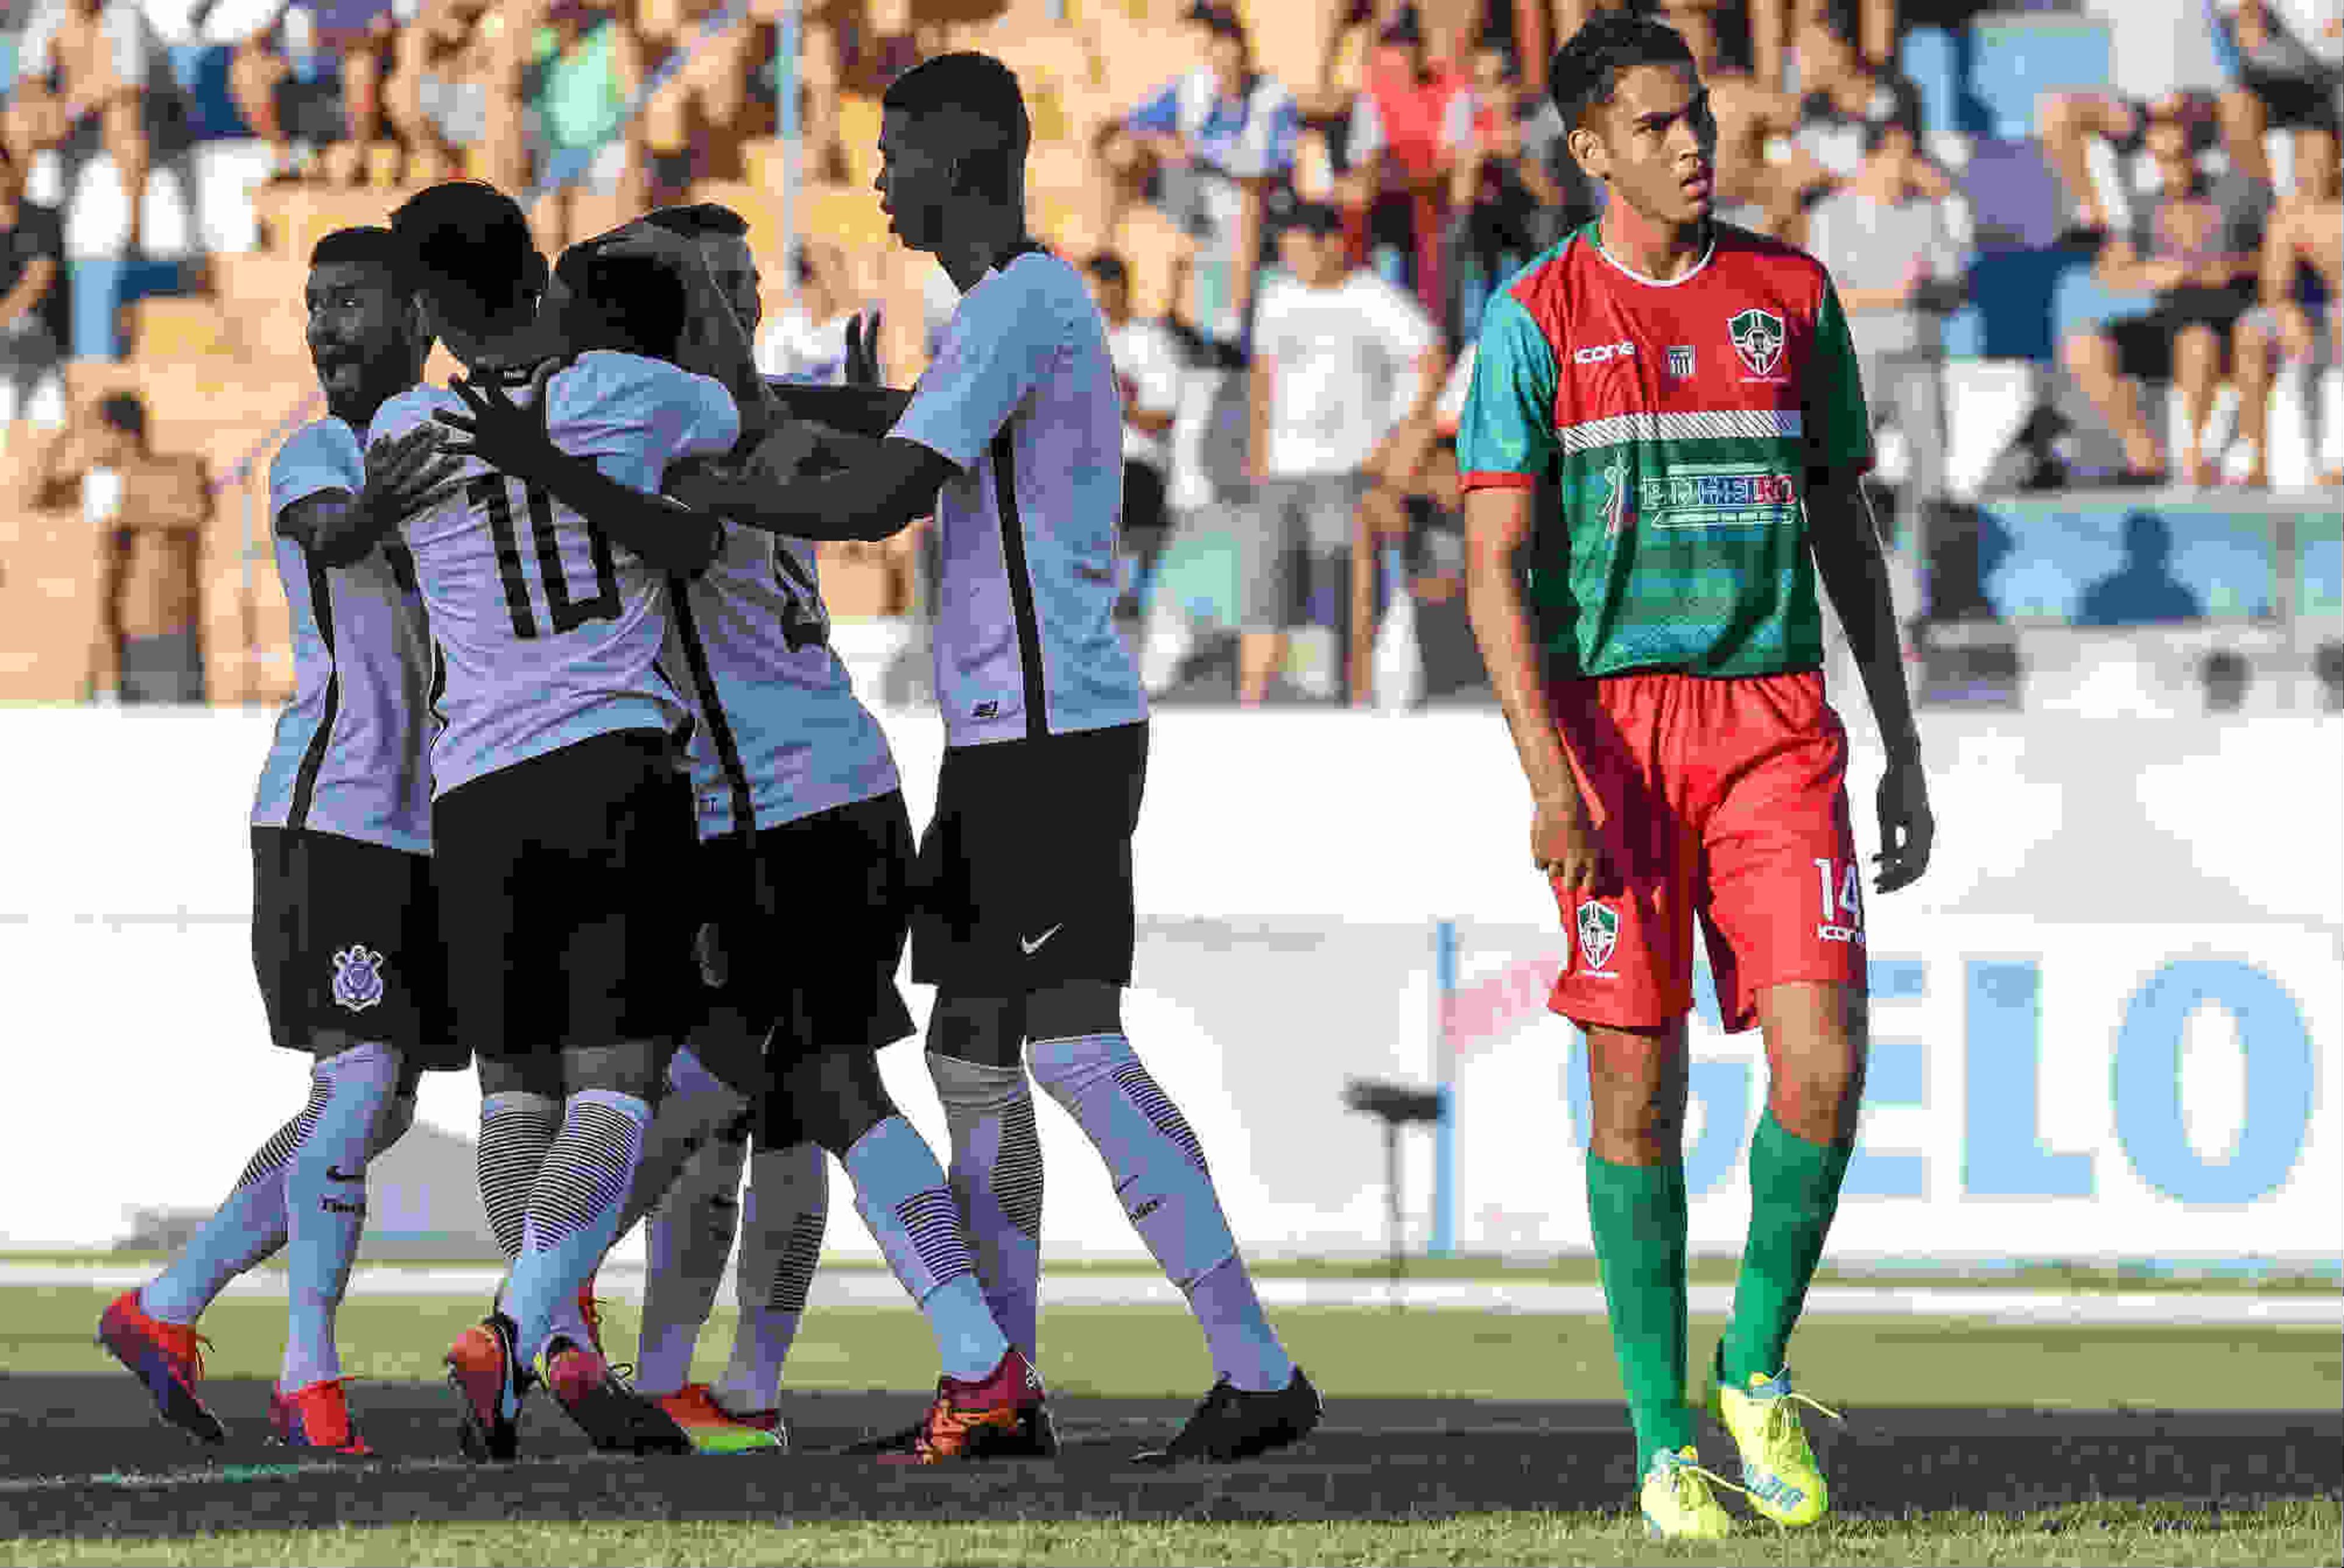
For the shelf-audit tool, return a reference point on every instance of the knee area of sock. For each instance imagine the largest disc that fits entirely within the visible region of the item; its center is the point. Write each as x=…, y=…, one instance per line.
x=980, y=1086
x=1068, y=1065
x=369, y=1064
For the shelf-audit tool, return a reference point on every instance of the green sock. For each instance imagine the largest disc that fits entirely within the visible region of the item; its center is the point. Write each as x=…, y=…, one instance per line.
x=1794, y=1192
x=1638, y=1213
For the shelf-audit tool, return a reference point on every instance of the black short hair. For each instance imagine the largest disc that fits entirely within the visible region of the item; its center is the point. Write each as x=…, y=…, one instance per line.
x=474, y=255
x=368, y=244
x=1317, y=218
x=1586, y=69
x=641, y=302
x=699, y=218
x=1108, y=268
x=126, y=412
x=983, y=94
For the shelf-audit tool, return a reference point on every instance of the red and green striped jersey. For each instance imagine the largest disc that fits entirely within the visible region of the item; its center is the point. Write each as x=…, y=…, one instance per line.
x=1679, y=422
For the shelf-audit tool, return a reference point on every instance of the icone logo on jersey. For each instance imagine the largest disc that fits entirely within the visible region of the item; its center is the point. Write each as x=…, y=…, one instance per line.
x=1757, y=338
x=1602, y=353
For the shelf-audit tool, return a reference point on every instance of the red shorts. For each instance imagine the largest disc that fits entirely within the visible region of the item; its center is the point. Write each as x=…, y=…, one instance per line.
x=1724, y=799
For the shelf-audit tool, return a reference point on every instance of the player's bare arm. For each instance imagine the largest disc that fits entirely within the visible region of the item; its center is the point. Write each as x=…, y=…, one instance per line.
x=1562, y=831
x=894, y=485
x=337, y=528
x=1845, y=543
x=500, y=433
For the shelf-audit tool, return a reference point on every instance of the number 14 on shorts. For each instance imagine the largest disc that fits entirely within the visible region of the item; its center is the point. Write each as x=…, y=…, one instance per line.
x=1843, y=890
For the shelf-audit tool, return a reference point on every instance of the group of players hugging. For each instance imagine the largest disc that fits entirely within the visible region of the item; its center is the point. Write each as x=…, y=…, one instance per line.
x=573, y=788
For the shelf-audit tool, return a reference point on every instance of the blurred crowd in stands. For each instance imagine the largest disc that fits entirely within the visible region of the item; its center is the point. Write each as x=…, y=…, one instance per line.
x=1294, y=269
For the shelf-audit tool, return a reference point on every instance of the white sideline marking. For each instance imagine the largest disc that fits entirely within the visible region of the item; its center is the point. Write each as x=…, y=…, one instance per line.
x=873, y=1288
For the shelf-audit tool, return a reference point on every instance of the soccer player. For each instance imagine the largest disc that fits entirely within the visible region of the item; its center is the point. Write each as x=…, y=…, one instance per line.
x=804, y=875
x=1689, y=393
x=559, y=811
x=345, y=926
x=1015, y=438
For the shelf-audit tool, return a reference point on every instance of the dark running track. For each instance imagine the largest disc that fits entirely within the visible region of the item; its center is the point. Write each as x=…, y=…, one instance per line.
x=85, y=1455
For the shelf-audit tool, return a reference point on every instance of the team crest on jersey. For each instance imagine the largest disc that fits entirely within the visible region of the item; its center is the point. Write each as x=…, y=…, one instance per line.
x=357, y=978
x=1599, y=934
x=1758, y=340
x=1680, y=361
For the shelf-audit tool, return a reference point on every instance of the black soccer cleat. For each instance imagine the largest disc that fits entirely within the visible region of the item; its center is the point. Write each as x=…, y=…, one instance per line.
x=606, y=1407
x=1232, y=1424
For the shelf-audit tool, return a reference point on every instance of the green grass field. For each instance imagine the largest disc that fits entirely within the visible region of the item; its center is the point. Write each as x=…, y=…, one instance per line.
x=2096, y=1533
x=1352, y=1353
x=1574, y=1269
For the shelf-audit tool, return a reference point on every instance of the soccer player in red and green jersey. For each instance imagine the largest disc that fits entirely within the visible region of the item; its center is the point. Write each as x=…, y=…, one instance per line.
x=1679, y=398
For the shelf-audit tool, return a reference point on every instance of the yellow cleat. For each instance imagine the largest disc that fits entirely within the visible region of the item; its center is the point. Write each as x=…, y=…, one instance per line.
x=1779, y=1472
x=1677, y=1503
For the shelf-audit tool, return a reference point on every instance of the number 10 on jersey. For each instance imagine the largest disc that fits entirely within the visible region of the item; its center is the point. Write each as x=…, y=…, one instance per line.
x=492, y=494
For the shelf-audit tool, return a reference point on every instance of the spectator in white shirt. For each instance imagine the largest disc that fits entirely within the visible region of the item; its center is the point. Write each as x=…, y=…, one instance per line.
x=1346, y=371
x=1891, y=248
x=1148, y=369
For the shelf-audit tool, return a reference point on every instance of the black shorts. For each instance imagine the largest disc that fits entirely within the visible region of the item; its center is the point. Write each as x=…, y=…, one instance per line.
x=346, y=936
x=1024, y=874
x=804, y=945
x=560, y=883
x=2145, y=343
x=2292, y=102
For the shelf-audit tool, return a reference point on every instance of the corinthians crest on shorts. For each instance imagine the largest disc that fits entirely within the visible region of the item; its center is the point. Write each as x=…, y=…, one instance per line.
x=357, y=978
x=1757, y=339
x=1599, y=933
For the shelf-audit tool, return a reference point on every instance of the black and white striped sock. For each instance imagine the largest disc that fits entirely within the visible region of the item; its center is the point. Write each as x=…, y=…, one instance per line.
x=997, y=1178
x=782, y=1224
x=517, y=1132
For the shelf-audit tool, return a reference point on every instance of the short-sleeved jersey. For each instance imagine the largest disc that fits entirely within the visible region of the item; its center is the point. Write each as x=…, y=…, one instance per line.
x=1680, y=422
x=1021, y=400
x=551, y=631
x=352, y=750
x=781, y=733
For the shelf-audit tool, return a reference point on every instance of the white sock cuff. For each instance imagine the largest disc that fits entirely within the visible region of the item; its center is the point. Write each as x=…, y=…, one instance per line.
x=632, y=1106
x=369, y=1062
x=520, y=1102
x=1068, y=1067
x=980, y=1086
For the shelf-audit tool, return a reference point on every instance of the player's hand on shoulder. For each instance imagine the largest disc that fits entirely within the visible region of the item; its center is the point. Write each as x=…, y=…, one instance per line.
x=402, y=470
x=497, y=430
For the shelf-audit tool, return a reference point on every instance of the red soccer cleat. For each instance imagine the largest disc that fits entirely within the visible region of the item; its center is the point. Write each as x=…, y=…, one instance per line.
x=167, y=1358
x=316, y=1417
x=1002, y=1417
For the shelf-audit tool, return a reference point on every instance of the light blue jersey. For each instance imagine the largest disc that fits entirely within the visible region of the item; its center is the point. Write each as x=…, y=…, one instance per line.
x=350, y=755
x=551, y=631
x=1023, y=389
x=782, y=735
